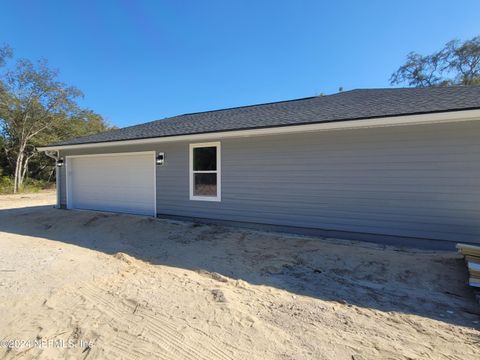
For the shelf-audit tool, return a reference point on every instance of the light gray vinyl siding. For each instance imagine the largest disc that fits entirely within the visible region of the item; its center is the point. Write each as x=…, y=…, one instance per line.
x=415, y=181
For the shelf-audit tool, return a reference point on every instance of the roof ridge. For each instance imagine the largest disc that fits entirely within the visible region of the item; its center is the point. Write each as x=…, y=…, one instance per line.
x=410, y=88
x=339, y=93
x=224, y=109
x=253, y=105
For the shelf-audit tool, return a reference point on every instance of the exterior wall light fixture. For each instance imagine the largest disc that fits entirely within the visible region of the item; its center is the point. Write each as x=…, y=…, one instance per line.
x=160, y=160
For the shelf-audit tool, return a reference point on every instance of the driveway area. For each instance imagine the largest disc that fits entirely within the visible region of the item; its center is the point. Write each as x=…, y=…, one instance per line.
x=91, y=285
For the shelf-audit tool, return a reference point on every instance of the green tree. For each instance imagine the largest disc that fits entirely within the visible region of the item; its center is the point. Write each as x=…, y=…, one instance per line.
x=457, y=63
x=32, y=101
x=35, y=109
x=82, y=123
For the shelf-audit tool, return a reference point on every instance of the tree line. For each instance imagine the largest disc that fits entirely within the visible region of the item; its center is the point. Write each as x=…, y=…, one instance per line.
x=36, y=108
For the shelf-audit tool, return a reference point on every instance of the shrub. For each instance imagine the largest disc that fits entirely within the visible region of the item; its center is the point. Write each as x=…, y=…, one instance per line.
x=29, y=185
x=6, y=185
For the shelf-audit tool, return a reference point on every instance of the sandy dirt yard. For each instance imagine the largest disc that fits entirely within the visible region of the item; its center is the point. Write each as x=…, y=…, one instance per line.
x=90, y=285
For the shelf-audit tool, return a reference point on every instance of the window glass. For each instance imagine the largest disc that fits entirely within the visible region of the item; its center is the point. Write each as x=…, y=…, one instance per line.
x=205, y=184
x=205, y=158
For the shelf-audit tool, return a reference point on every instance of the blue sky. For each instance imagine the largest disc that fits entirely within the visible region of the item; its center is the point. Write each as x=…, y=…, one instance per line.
x=138, y=61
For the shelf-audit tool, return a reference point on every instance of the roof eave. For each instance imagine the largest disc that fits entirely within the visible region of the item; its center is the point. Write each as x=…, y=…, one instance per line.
x=396, y=120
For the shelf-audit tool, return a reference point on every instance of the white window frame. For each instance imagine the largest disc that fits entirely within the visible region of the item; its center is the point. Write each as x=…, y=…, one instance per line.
x=216, y=144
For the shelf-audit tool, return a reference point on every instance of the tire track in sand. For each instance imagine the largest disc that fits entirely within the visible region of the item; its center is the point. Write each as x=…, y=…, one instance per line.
x=144, y=334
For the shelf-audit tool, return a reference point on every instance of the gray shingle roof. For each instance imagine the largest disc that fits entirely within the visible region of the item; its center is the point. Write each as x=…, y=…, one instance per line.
x=348, y=105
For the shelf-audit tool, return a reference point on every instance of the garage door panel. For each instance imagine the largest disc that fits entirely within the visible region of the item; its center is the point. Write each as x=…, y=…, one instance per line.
x=131, y=208
x=119, y=183
x=112, y=197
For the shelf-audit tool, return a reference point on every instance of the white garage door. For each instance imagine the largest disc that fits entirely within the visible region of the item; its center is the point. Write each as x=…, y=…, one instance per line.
x=112, y=182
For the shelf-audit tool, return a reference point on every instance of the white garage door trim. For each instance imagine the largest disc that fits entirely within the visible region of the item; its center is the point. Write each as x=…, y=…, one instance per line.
x=68, y=159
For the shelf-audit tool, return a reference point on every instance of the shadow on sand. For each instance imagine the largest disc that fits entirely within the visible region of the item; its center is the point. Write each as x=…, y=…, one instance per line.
x=424, y=283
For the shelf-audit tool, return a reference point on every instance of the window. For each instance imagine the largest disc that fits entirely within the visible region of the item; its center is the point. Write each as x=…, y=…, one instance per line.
x=205, y=172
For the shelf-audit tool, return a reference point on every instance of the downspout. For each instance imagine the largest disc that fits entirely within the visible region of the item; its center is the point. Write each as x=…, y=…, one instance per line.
x=56, y=156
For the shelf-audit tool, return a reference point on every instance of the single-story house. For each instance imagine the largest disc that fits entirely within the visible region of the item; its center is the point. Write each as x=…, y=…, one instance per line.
x=400, y=162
